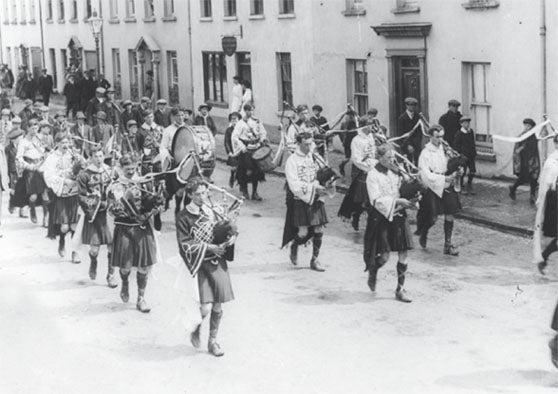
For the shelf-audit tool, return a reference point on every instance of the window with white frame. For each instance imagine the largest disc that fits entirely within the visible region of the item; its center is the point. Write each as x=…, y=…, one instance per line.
x=134, y=74
x=116, y=73
x=23, y=11
x=354, y=7
x=476, y=100
x=74, y=10
x=285, y=78
x=172, y=75
x=130, y=9
x=88, y=9
x=286, y=6
x=256, y=7
x=230, y=8
x=113, y=9
x=6, y=10
x=169, y=8
x=357, y=85
x=14, y=11
x=407, y=4
x=61, y=14
x=215, y=77
x=149, y=9
x=32, y=11
x=205, y=8
x=481, y=4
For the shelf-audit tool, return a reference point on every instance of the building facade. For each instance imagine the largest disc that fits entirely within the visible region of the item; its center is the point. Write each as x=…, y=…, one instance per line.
x=493, y=56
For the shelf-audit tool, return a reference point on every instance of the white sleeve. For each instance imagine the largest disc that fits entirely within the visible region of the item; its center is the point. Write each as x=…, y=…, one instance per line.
x=263, y=131
x=384, y=204
x=435, y=182
x=358, y=157
x=305, y=191
x=237, y=144
x=53, y=179
x=292, y=132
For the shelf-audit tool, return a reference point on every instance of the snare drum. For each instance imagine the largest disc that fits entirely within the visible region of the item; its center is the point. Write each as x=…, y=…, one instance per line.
x=263, y=156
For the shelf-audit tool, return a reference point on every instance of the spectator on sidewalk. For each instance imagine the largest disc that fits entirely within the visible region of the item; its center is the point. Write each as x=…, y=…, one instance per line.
x=45, y=85
x=103, y=82
x=7, y=78
x=247, y=95
x=95, y=105
x=321, y=121
x=87, y=89
x=143, y=110
x=232, y=161
x=188, y=121
x=26, y=113
x=412, y=145
x=204, y=119
x=110, y=107
x=71, y=92
x=464, y=143
x=526, y=162
x=162, y=116
x=45, y=115
x=81, y=130
x=129, y=113
x=450, y=121
x=236, y=95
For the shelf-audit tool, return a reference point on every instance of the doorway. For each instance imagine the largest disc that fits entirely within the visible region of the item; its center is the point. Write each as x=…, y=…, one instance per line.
x=407, y=81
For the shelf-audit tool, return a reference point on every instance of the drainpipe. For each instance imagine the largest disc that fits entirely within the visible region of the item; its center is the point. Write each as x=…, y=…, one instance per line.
x=544, y=102
x=102, y=51
x=42, y=34
x=191, y=54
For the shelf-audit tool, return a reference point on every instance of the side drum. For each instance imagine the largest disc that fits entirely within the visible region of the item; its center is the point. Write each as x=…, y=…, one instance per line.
x=263, y=157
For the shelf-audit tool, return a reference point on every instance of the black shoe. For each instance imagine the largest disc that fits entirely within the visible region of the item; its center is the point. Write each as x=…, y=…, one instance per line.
x=33, y=214
x=450, y=250
x=553, y=344
x=293, y=256
x=372, y=275
x=12, y=210
x=512, y=193
x=542, y=266
x=124, y=294
x=256, y=197
x=422, y=240
x=342, y=168
x=354, y=222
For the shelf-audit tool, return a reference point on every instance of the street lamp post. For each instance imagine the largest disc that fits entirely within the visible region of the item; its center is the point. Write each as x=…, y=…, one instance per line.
x=96, y=23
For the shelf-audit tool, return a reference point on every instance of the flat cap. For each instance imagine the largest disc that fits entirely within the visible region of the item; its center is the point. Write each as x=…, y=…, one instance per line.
x=317, y=107
x=44, y=108
x=44, y=123
x=131, y=122
x=110, y=90
x=162, y=102
x=529, y=121
x=465, y=118
x=80, y=115
x=101, y=115
x=14, y=133
x=6, y=111
x=454, y=103
x=127, y=102
x=411, y=100
x=145, y=99
x=27, y=102
x=204, y=105
x=59, y=114
x=100, y=90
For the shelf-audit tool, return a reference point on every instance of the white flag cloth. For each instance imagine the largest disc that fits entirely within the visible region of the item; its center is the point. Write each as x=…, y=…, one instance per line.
x=537, y=130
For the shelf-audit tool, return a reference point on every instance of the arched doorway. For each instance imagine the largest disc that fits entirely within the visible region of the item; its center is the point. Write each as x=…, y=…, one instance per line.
x=149, y=58
x=76, y=53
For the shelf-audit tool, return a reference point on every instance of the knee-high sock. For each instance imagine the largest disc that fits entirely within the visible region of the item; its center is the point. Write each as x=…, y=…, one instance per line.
x=316, y=245
x=448, y=230
x=142, y=283
x=401, y=269
x=214, y=321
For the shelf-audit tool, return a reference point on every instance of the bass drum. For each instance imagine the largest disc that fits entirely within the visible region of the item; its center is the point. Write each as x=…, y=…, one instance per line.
x=198, y=139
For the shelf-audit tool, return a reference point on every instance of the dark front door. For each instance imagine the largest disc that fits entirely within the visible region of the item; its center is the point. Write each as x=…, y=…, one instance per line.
x=407, y=81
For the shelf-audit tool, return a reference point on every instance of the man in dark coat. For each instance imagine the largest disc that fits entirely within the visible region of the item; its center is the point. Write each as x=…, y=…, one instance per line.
x=162, y=117
x=450, y=121
x=110, y=107
x=86, y=88
x=464, y=143
x=45, y=85
x=143, y=109
x=103, y=82
x=412, y=145
x=204, y=119
x=129, y=113
x=71, y=91
x=526, y=162
x=95, y=105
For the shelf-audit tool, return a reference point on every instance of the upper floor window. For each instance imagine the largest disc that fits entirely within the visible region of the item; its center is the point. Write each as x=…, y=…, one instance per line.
x=49, y=10
x=475, y=98
x=256, y=7
x=286, y=6
x=354, y=7
x=149, y=9
x=357, y=89
x=230, y=7
x=32, y=11
x=481, y=4
x=130, y=9
x=14, y=11
x=61, y=15
x=6, y=8
x=88, y=9
x=169, y=8
x=285, y=78
x=74, y=10
x=113, y=8
x=404, y=6
x=23, y=10
x=206, y=8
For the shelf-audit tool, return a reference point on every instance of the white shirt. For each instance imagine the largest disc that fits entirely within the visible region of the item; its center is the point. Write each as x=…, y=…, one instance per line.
x=300, y=171
x=363, y=151
x=433, y=164
x=383, y=191
x=32, y=149
x=247, y=130
x=236, y=98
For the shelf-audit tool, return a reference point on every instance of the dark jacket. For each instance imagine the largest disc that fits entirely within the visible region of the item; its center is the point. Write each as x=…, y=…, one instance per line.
x=93, y=107
x=162, y=118
x=11, y=152
x=45, y=84
x=71, y=91
x=86, y=89
x=126, y=116
x=113, y=112
x=526, y=162
x=464, y=143
x=406, y=124
x=450, y=122
x=201, y=121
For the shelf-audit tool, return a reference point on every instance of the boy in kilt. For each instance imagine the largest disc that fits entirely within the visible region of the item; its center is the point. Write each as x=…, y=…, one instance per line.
x=61, y=168
x=92, y=183
x=363, y=156
x=195, y=234
x=306, y=215
x=132, y=204
x=441, y=197
x=387, y=228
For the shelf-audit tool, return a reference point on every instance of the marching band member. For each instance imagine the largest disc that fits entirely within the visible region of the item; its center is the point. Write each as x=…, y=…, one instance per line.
x=45, y=135
x=441, y=197
x=81, y=130
x=296, y=127
x=232, y=161
x=4, y=177
x=133, y=246
x=60, y=125
x=248, y=135
x=387, y=229
x=547, y=209
x=61, y=168
x=306, y=213
x=92, y=184
x=30, y=155
x=14, y=137
x=363, y=156
x=100, y=133
x=177, y=118
x=5, y=123
x=207, y=260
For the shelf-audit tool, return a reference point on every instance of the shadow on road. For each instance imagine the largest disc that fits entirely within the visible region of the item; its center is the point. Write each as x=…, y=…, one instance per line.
x=498, y=380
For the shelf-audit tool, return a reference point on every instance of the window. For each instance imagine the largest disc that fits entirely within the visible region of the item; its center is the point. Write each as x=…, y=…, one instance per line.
x=23, y=14
x=481, y=4
x=357, y=81
x=117, y=73
x=285, y=78
x=172, y=73
x=215, y=77
x=88, y=9
x=475, y=97
x=256, y=7
x=134, y=74
x=74, y=10
x=113, y=8
x=9, y=60
x=405, y=6
x=286, y=6
x=6, y=10
x=230, y=8
x=206, y=8
x=130, y=9
x=53, y=67
x=149, y=9
x=17, y=57
x=354, y=7
x=243, y=66
x=60, y=10
x=32, y=11
x=14, y=11
x=169, y=8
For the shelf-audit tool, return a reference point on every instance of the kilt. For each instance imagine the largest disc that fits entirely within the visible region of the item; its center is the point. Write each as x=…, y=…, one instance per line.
x=357, y=194
x=550, y=214
x=98, y=232
x=308, y=215
x=34, y=182
x=65, y=210
x=248, y=170
x=449, y=204
x=133, y=246
x=214, y=282
x=382, y=236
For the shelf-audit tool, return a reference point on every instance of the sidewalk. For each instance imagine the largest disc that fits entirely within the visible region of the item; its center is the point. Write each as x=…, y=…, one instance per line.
x=491, y=206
